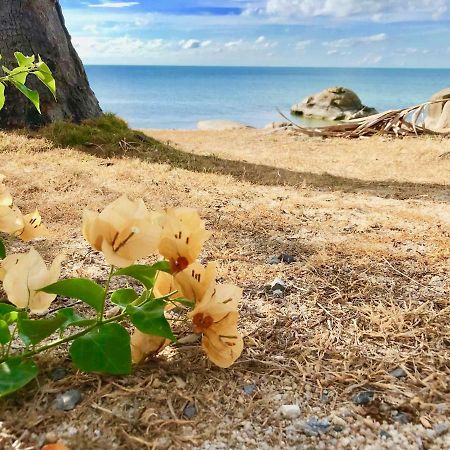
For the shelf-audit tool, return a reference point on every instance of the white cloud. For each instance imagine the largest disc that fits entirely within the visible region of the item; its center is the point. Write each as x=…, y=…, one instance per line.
x=113, y=4
x=260, y=40
x=194, y=43
x=233, y=44
x=301, y=45
x=351, y=42
x=376, y=10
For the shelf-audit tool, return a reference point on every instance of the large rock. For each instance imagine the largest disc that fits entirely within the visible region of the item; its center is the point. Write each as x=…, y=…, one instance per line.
x=335, y=103
x=220, y=124
x=438, y=118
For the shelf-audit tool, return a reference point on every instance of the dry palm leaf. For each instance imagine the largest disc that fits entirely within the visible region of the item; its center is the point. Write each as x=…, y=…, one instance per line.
x=396, y=122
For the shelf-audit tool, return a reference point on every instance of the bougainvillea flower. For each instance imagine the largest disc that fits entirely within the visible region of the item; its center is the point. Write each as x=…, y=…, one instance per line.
x=216, y=317
x=11, y=220
x=195, y=280
x=5, y=195
x=182, y=237
x=144, y=345
x=124, y=231
x=32, y=227
x=24, y=274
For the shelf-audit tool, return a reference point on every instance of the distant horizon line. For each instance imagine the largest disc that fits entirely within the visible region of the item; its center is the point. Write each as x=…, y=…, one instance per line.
x=264, y=67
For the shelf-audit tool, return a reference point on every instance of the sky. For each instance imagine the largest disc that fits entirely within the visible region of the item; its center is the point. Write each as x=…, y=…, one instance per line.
x=310, y=33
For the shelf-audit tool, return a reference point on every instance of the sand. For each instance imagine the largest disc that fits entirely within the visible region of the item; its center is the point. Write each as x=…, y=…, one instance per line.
x=368, y=293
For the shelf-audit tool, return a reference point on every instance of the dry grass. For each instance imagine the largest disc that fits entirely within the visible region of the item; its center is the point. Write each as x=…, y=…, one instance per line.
x=369, y=292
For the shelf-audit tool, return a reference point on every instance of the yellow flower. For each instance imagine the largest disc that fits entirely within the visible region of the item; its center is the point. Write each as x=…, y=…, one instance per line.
x=144, y=345
x=182, y=237
x=11, y=220
x=194, y=281
x=24, y=274
x=124, y=231
x=5, y=196
x=216, y=317
x=32, y=227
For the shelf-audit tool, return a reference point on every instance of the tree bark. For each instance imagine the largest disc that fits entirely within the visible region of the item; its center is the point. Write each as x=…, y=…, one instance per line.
x=37, y=27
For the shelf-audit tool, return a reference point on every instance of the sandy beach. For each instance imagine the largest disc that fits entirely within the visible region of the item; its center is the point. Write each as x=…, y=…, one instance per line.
x=357, y=345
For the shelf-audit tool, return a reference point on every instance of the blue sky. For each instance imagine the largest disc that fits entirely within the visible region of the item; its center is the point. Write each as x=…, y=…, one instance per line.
x=335, y=33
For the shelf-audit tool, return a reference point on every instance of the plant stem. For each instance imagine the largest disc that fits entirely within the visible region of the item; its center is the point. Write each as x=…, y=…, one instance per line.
x=108, y=282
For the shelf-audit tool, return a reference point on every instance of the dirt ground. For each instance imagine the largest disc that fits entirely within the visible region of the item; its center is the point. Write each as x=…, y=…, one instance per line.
x=367, y=294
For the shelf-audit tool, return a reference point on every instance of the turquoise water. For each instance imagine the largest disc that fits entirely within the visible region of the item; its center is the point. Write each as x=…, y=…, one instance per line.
x=178, y=97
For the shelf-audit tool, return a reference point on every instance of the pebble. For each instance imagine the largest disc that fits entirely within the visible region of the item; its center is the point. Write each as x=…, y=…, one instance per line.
x=283, y=258
x=401, y=417
x=441, y=428
x=315, y=426
x=273, y=260
x=289, y=411
x=249, y=388
x=190, y=411
x=278, y=293
x=385, y=435
x=398, y=373
x=363, y=397
x=58, y=374
x=278, y=285
x=68, y=400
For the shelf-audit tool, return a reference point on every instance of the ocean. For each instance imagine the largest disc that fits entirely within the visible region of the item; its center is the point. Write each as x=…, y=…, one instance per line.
x=178, y=97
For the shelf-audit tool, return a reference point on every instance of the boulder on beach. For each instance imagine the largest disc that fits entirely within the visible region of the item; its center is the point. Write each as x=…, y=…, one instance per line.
x=335, y=103
x=438, y=118
x=220, y=124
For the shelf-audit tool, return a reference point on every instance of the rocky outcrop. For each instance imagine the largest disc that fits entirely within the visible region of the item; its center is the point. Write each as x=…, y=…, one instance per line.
x=335, y=103
x=220, y=124
x=438, y=118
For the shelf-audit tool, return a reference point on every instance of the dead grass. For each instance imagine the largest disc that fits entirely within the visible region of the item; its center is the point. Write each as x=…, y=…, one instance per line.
x=369, y=292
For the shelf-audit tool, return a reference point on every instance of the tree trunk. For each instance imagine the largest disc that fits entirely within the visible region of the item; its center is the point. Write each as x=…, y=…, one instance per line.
x=36, y=27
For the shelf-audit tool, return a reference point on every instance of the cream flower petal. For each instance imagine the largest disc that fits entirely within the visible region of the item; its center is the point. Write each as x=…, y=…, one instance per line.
x=196, y=280
x=33, y=227
x=5, y=195
x=15, y=283
x=143, y=345
x=11, y=220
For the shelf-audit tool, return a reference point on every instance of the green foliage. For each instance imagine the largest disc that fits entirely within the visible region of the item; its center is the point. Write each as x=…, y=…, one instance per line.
x=80, y=288
x=123, y=297
x=145, y=274
x=15, y=373
x=2, y=250
x=106, y=349
x=17, y=77
x=149, y=318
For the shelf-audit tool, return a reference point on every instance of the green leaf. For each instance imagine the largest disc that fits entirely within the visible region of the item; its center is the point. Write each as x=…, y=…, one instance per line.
x=81, y=289
x=145, y=274
x=15, y=374
x=35, y=331
x=32, y=95
x=19, y=74
x=123, y=297
x=6, y=308
x=24, y=61
x=45, y=75
x=105, y=349
x=5, y=335
x=72, y=319
x=149, y=318
x=2, y=97
x=185, y=302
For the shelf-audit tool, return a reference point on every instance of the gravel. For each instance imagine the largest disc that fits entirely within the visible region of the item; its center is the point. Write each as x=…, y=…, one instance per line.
x=68, y=400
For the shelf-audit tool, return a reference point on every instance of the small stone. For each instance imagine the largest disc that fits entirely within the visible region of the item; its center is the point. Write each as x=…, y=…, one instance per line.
x=68, y=400
x=190, y=411
x=58, y=374
x=398, y=373
x=249, y=388
x=278, y=285
x=289, y=411
x=401, y=417
x=278, y=293
x=273, y=260
x=51, y=437
x=363, y=397
x=385, y=435
x=441, y=428
x=315, y=426
x=288, y=259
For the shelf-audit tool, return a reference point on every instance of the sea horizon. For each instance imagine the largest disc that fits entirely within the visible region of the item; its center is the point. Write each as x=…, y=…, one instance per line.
x=177, y=97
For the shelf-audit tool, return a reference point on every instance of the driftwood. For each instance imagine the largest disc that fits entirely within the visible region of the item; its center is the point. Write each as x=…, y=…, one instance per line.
x=397, y=122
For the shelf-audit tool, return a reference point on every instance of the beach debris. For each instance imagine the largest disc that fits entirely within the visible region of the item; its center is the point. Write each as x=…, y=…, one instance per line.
x=363, y=397
x=289, y=411
x=396, y=123
x=220, y=125
x=334, y=103
x=438, y=118
x=190, y=411
x=68, y=400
